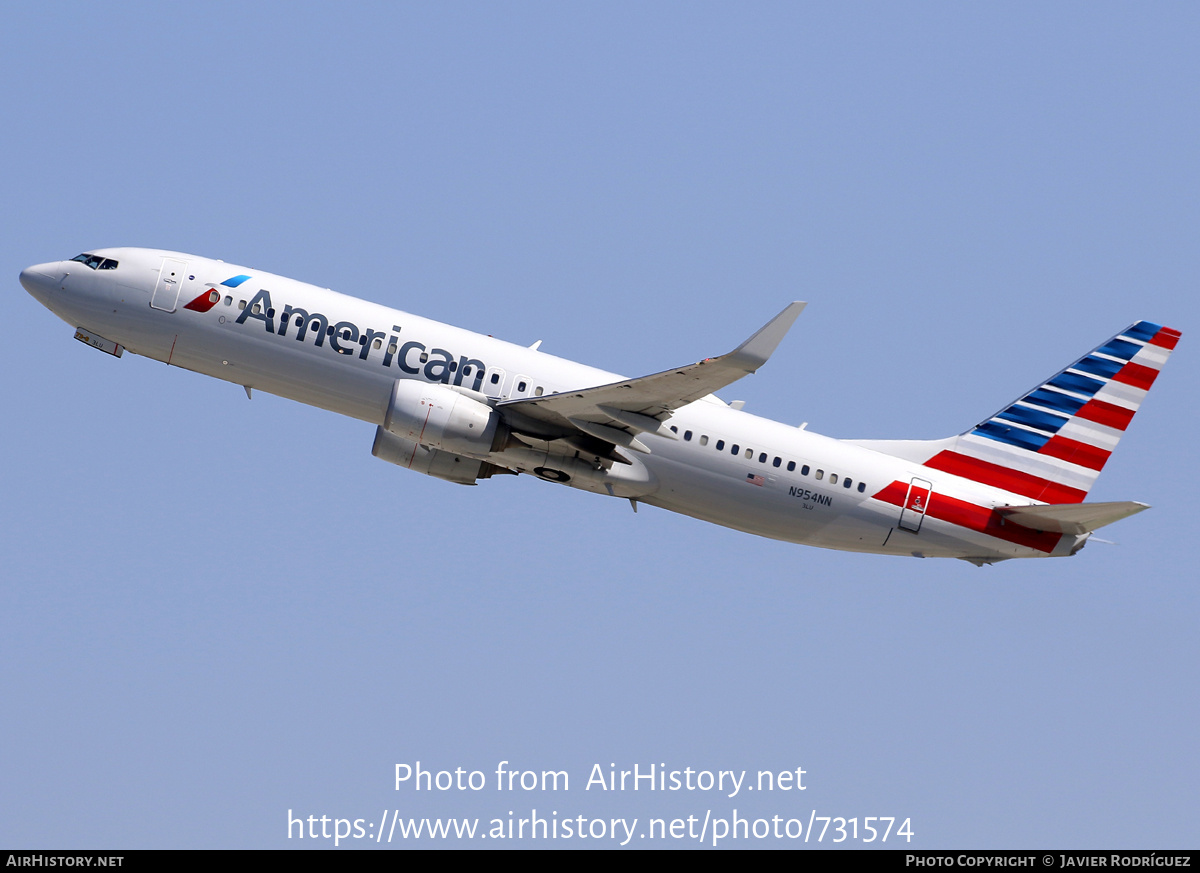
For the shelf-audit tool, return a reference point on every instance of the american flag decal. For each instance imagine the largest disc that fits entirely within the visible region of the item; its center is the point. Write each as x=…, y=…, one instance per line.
x=754, y=479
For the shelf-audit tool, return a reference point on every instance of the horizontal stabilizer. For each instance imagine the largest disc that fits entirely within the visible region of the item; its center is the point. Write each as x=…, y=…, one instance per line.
x=1070, y=518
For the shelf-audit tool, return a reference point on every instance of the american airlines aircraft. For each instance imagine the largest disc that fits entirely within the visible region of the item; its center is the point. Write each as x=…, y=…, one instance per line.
x=463, y=407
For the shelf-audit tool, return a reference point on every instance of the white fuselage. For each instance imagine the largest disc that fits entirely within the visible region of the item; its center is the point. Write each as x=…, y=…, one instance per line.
x=782, y=482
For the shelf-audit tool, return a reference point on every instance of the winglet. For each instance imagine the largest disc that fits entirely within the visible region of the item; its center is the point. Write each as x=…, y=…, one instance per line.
x=753, y=353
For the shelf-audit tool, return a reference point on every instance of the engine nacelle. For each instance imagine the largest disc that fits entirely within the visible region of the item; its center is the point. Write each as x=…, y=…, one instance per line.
x=443, y=418
x=443, y=465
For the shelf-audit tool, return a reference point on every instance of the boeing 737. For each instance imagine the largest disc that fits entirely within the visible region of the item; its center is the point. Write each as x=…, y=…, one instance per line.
x=465, y=407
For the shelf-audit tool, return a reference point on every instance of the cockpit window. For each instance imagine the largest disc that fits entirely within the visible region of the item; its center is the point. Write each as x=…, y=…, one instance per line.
x=95, y=262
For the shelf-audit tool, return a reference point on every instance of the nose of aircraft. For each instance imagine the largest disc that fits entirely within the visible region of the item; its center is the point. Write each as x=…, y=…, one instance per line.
x=40, y=281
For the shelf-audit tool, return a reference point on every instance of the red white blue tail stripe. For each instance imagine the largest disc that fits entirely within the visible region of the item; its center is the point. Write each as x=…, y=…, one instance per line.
x=1051, y=444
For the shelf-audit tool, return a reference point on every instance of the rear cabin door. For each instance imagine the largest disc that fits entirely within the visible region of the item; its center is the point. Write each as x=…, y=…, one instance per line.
x=916, y=504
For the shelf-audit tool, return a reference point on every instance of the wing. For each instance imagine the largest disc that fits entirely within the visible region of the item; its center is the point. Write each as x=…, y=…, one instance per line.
x=618, y=412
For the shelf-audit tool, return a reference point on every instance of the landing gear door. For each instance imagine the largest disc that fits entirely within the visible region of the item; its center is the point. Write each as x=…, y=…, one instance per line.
x=916, y=504
x=170, y=280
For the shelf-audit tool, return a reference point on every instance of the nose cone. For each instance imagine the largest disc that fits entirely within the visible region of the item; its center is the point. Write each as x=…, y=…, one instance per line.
x=41, y=280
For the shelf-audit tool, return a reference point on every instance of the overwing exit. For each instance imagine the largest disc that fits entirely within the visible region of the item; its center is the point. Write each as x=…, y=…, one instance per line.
x=464, y=407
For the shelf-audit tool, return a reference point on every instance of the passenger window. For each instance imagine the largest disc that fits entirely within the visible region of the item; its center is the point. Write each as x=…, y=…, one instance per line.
x=241, y=304
x=687, y=436
x=804, y=470
x=520, y=387
x=228, y=301
x=847, y=482
x=791, y=466
x=495, y=378
x=862, y=486
x=538, y=391
x=703, y=439
x=734, y=449
x=749, y=454
x=720, y=445
x=777, y=462
x=832, y=478
x=391, y=346
x=762, y=459
x=820, y=474
x=674, y=429
x=378, y=343
x=214, y=296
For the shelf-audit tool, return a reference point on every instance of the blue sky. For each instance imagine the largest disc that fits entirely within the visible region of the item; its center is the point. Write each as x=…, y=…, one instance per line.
x=213, y=611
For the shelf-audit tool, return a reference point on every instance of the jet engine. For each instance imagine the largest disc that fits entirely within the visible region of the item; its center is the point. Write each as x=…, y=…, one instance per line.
x=442, y=465
x=454, y=420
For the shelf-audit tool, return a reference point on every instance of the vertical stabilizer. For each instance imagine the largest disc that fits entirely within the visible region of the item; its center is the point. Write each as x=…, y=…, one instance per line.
x=1051, y=444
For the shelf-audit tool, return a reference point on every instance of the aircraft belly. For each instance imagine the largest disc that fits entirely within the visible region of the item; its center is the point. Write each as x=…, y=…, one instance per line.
x=725, y=499
x=308, y=375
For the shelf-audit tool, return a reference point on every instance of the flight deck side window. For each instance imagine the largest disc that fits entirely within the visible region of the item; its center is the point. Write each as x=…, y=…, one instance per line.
x=108, y=264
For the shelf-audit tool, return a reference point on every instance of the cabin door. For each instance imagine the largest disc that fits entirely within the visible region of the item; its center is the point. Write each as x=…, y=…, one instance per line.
x=170, y=280
x=916, y=504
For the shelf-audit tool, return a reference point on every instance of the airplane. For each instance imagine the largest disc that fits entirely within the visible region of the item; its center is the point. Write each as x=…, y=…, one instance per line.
x=465, y=407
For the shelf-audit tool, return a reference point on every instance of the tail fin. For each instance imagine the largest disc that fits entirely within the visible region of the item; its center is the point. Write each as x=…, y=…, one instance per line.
x=1051, y=444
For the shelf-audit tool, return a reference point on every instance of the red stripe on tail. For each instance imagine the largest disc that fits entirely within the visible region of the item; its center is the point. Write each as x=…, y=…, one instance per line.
x=1136, y=375
x=987, y=473
x=1107, y=414
x=1075, y=452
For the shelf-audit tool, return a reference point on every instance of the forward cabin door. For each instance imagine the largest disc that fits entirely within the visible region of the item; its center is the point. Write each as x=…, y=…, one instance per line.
x=916, y=504
x=170, y=280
